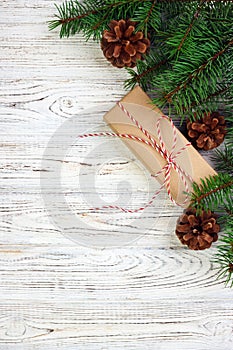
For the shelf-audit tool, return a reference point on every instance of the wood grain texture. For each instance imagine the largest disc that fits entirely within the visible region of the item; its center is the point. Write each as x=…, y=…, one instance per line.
x=151, y=294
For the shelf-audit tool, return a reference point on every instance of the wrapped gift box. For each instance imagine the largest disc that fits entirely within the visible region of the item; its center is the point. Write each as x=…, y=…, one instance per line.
x=139, y=105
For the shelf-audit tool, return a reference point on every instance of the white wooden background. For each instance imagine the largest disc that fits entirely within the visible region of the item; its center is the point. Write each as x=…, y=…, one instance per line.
x=153, y=293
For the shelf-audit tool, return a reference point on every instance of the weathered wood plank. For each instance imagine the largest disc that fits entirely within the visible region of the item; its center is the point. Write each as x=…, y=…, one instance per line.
x=55, y=294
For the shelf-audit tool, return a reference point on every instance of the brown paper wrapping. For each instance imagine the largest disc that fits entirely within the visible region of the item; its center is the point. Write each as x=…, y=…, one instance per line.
x=139, y=105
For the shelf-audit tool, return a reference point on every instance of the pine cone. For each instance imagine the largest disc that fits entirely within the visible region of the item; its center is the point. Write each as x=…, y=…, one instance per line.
x=121, y=46
x=230, y=267
x=208, y=132
x=197, y=231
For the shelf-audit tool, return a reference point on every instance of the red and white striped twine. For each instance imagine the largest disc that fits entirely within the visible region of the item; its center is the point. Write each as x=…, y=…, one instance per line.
x=161, y=148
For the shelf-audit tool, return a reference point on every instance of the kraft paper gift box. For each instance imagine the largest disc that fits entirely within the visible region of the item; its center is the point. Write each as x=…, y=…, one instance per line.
x=138, y=104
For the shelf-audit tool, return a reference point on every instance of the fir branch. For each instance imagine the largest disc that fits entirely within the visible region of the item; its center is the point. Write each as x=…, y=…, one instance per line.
x=101, y=21
x=224, y=256
x=183, y=85
x=188, y=30
x=75, y=17
x=148, y=17
x=212, y=193
x=215, y=94
x=145, y=72
x=223, y=159
x=67, y=18
x=150, y=11
x=211, y=103
x=229, y=135
x=149, y=70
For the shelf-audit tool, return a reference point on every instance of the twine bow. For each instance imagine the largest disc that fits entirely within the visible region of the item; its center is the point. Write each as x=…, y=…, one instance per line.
x=170, y=158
